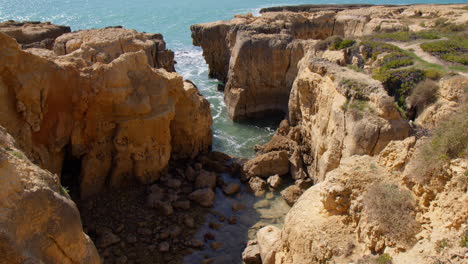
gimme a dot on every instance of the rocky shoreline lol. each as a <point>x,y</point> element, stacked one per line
<point>371,155</point>
<point>356,121</point>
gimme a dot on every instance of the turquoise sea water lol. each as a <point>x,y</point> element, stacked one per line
<point>172,18</point>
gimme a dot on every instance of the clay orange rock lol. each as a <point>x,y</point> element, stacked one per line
<point>39,223</point>
<point>120,117</point>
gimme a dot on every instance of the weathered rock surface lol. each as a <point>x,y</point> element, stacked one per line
<point>39,223</point>
<point>268,239</point>
<point>204,197</point>
<point>122,118</point>
<point>33,34</point>
<point>105,45</point>
<point>331,220</point>
<point>451,95</point>
<point>271,163</point>
<point>239,52</point>
<point>332,130</point>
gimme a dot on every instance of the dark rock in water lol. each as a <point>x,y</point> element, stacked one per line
<point>184,205</point>
<point>258,186</point>
<point>206,180</point>
<point>274,181</point>
<point>204,197</point>
<point>231,188</point>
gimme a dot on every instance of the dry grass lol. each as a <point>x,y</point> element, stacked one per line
<point>422,95</point>
<point>392,210</point>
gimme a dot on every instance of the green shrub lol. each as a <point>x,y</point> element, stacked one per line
<point>423,94</point>
<point>433,74</point>
<point>404,36</point>
<point>464,239</point>
<point>429,34</point>
<point>456,57</point>
<point>452,50</point>
<point>326,43</point>
<point>441,244</point>
<point>384,259</point>
<point>371,49</point>
<point>354,89</point>
<point>354,68</point>
<point>392,209</point>
<point>342,44</point>
<point>396,60</point>
<point>399,82</point>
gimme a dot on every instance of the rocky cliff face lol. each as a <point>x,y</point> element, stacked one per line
<point>240,52</point>
<point>346,131</point>
<point>99,99</point>
<point>332,125</point>
<point>33,34</point>
<point>39,223</point>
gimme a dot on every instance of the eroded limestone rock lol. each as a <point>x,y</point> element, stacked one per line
<point>39,223</point>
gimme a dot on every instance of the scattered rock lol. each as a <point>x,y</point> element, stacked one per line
<point>291,194</point>
<point>189,222</point>
<point>204,197</point>
<point>173,183</point>
<point>271,163</point>
<point>274,181</point>
<point>214,225</point>
<point>144,231</point>
<point>304,183</point>
<point>131,239</point>
<point>184,205</point>
<point>258,186</point>
<point>251,254</point>
<point>195,243</point>
<point>206,180</point>
<point>231,188</point>
<point>209,236</point>
<point>164,208</point>
<point>190,174</point>
<point>236,207</point>
<point>216,245</point>
<point>232,220</point>
<point>164,247</point>
<point>106,238</point>
<point>262,204</point>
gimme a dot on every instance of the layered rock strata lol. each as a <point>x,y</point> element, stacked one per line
<point>101,101</point>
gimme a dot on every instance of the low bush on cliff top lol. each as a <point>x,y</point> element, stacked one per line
<point>452,50</point>
<point>391,209</point>
<point>342,44</point>
<point>423,95</point>
<point>371,49</point>
<point>396,60</point>
<point>399,82</point>
<point>449,141</point>
<point>404,36</point>
<point>334,43</point>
